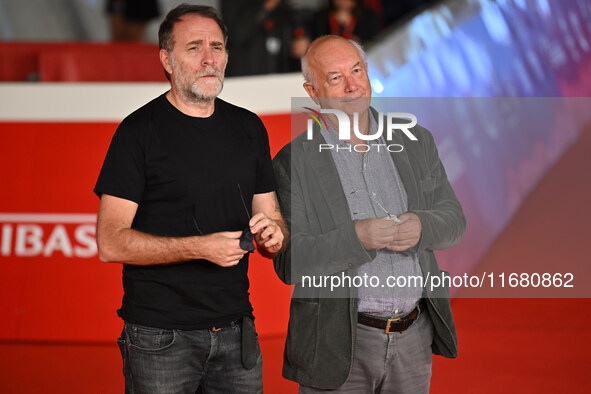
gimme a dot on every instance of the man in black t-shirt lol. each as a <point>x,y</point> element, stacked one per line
<point>186,184</point>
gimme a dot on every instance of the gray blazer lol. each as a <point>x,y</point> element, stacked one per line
<point>322,326</point>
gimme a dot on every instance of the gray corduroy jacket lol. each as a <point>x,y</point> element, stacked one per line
<point>322,326</point>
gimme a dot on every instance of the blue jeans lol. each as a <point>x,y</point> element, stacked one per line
<point>175,361</point>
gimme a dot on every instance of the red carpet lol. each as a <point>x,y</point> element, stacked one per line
<point>531,345</point>
<point>506,345</point>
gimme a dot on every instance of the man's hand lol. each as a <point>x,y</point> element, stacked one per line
<point>408,233</point>
<point>267,233</point>
<point>376,233</point>
<point>221,248</point>
<point>267,225</point>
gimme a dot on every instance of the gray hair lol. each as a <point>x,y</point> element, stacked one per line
<point>305,64</point>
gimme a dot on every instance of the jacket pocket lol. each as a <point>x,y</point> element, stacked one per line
<point>302,333</point>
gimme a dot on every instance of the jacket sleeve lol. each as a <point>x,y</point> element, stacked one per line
<point>443,223</point>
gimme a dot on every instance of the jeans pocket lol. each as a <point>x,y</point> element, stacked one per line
<point>149,339</point>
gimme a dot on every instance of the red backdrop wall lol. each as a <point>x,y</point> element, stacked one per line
<point>53,286</point>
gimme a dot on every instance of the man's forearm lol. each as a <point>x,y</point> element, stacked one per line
<point>131,246</point>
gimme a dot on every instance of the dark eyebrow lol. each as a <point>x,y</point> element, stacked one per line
<point>195,42</point>
<point>356,65</point>
<point>200,42</point>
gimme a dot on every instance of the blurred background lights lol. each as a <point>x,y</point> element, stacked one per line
<point>377,86</point>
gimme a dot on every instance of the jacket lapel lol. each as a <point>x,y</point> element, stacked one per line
<point>325,171</point>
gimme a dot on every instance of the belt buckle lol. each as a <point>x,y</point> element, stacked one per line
<point>390,321</point>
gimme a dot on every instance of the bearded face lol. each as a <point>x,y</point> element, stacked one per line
<point>198,86</point>
<point>197,59</point>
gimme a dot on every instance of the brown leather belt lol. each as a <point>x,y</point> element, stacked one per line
<point>390,326</point>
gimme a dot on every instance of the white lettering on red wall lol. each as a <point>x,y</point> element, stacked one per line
<point>45,234</point>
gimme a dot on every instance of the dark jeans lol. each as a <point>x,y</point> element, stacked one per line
<point>176,361</point>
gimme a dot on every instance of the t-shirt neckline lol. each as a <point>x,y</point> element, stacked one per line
<point>193,120</point>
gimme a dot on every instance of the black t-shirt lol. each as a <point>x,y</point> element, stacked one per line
<point>184,172</point>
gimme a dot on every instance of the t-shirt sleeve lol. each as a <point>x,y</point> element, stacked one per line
<point>123,173</point>
<point>265,175</point>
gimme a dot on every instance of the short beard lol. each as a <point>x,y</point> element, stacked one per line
<point>191,92</point>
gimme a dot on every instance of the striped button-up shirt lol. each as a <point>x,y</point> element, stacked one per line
<point>373,189</point>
